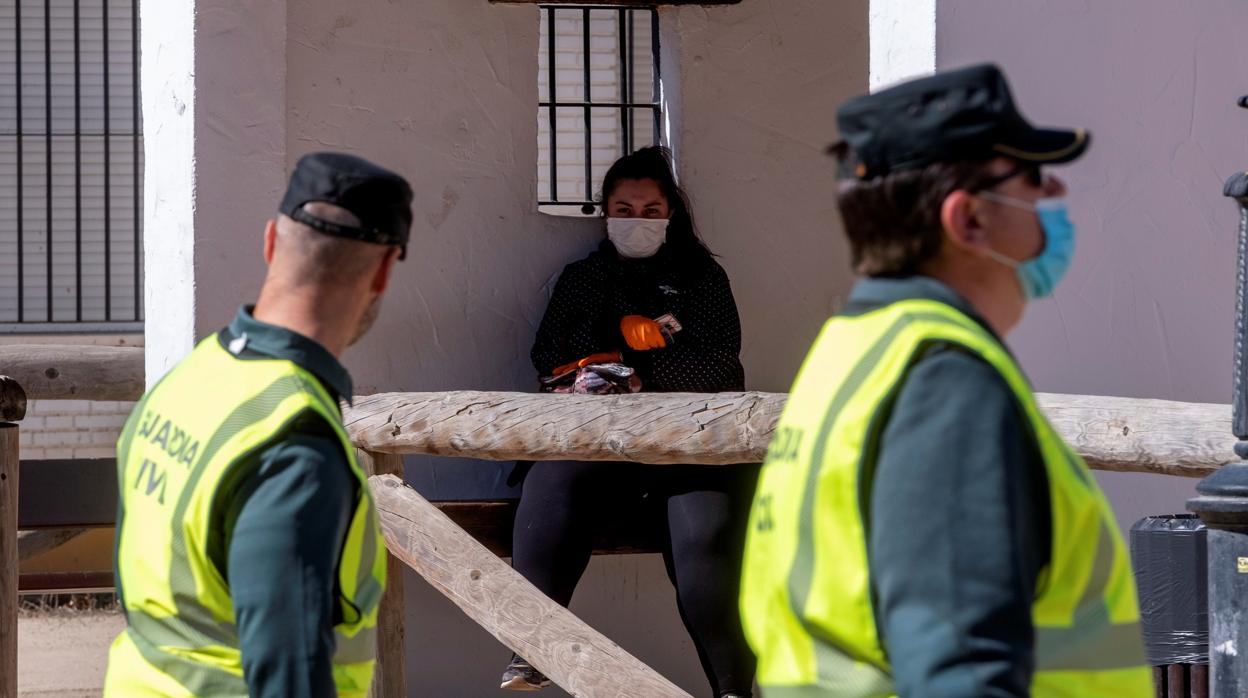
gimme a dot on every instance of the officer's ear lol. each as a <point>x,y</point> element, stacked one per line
<point>381,278</point>
<point>270,240</point>
<point>961,217</point>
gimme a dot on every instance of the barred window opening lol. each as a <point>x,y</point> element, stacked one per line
<point>599,98</point>
<point>71,150</point>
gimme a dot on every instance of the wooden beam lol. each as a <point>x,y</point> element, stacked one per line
<point>8,559</point>
<point>12,400</point>
<point>1144,436</point>
<point>575,656</point>
<point>1126,434</point>
<point>99,581</point>
<point>61,498</point>
<point>32,544</point>
<point>717,428</point>
<point>61,372</point>
<point>390,675</point>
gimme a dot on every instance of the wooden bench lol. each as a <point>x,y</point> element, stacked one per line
<point>56,495</point>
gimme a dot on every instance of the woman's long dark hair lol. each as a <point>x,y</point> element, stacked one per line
<point>655,162</point>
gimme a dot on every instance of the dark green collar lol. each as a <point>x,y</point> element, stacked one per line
<point>878,291</point>
<point>247,335</point>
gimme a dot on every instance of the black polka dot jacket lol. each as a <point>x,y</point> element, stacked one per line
<point>592,295</point>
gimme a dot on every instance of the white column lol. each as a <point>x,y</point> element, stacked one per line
<point>168,88</point>
<point>214,114</point>
<point>903,40</point>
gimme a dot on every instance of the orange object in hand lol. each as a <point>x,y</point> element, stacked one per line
<point>602,357</point>
<point>642,333</point>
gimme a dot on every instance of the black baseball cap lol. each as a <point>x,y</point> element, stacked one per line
<point>953,116</point>
<point>381,199</point>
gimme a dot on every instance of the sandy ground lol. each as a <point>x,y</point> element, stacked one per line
<point>64,654</point>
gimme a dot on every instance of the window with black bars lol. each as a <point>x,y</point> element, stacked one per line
<point>599,97</point>
<point>71,160</point>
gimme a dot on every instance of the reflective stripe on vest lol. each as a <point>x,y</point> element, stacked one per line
<point>806,595</point>
<point>179,446</point>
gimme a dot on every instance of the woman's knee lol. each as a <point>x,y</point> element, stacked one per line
<point>706,523</point>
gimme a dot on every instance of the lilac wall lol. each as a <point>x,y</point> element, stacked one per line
<point>1147,309</point>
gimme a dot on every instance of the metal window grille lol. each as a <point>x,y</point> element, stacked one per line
<point>70,165</point>
<point>599,98</point>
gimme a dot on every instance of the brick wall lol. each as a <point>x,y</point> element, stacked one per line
<point>72,429</point>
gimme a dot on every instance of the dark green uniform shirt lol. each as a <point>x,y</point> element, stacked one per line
<point>281,527</point>
<point>959,524</point>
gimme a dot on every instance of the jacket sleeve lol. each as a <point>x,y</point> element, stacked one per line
<point>706,353</point>
<point>959,530</point>
<point>570,328</point>
<point>285,531</point>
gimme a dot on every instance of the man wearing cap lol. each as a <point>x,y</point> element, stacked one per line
<point>919,527</point>
<point>249,560</point>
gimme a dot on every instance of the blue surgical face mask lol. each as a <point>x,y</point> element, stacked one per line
<point>1039,275</point>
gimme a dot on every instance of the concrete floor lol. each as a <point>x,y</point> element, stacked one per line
<point>64,654</point>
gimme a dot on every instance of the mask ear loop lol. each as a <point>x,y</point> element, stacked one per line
<point>1002,259</point>
<point>1007,200</point>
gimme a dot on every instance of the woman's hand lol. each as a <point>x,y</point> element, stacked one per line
<point>602,357</point>
<point>641,333</point>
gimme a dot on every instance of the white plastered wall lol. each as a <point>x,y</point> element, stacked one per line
<point>168,88</point>
<point>903,40</point>
<point>1146,310</point>
<point>445,92</point>
<point>760,82</point>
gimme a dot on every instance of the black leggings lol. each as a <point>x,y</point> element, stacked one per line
<point>564,504</point>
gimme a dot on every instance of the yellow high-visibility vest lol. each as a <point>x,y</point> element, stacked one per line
<point>181,442</point>
<point>806,590</point>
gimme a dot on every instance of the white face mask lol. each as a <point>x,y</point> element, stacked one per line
<point>637,237</point>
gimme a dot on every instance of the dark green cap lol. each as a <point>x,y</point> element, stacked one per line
<point>952,116</point>
<point>381,199</point>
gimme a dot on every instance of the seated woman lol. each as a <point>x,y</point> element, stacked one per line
<point>651,269</point>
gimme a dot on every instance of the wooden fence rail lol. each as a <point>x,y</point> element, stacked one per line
<point>1111,433</point>
<point>1126,434</point>
<point>1129,434</point>
<point>63,372</point>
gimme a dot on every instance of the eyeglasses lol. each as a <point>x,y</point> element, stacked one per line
<point>1033,173</point>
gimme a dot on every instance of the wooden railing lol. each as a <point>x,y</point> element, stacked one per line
<point>1111,433</point>
<point>1121,434</point>
<point>60,372</point>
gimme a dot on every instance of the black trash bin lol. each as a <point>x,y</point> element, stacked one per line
<point>1171,572</point>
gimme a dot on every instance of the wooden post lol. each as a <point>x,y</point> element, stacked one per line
<point>390,677</point>
<point>12,400</point>
<point>8,560</point>
<point>12,408</point>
